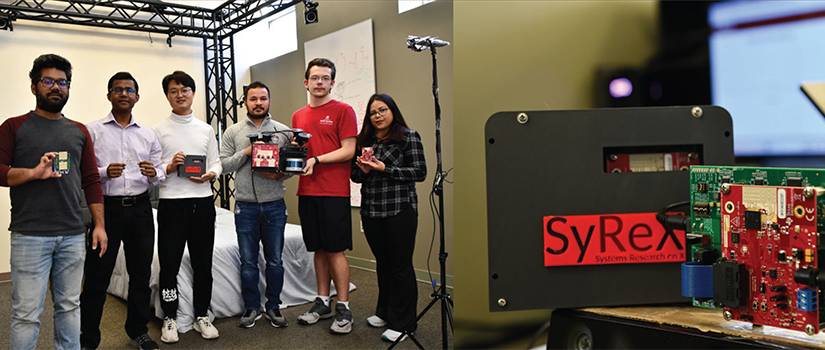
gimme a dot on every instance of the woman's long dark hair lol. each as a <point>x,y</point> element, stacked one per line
<point>397,127</point>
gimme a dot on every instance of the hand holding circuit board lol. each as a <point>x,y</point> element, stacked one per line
<point>45,169</point>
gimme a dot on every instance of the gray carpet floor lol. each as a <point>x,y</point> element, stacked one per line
<point>262,335</point>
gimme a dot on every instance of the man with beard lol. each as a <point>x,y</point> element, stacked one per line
<point>128,161</point>
<point>260,211</point>
<point>48,244</point>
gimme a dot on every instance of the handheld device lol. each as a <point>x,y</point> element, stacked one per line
<point>193,165</point>
<point>273,158</point>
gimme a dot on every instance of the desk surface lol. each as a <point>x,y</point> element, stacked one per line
<point>707,320</point>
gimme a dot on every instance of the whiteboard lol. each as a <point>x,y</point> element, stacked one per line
<point>351,49</point>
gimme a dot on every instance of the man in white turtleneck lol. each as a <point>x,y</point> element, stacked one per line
<point>186,212</point>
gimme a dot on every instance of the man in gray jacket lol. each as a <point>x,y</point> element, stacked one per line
<point>260,211</point>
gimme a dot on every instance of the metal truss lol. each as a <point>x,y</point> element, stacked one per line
<point>150,15</point>
<point>221,101</point>
<point>145,16</point>
<point>216,27</point>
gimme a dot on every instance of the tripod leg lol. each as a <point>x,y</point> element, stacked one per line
<point>450,313</point>
<point>402,337</point>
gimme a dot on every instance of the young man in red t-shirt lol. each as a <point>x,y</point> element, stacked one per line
<point>323,192</point>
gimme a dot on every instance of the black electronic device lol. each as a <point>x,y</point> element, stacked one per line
<point>294,158</point>
<point>193,165</point>
<point>568,226</point>
<point>268,157</point>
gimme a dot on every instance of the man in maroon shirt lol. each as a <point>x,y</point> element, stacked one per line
<point>48,245</point>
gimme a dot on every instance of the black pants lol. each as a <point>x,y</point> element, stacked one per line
<point>392,241</point>
<point>129,221</point>
<point>181,223</point>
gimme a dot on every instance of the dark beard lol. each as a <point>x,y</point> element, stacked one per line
<point>51,107</point>
<point>260,116</point>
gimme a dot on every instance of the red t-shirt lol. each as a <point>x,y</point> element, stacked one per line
<point>329,124</point>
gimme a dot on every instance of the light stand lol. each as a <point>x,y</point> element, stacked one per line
<point>418,44</point>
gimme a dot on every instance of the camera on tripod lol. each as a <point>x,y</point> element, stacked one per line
<point>269,157</point>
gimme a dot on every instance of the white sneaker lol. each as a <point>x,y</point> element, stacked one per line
<point>169,331</point>
<point>205,328</point>
<point>391,335</point>
<point>376,321</point>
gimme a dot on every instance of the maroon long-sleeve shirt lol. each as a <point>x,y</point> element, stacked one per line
<point>48,207</point>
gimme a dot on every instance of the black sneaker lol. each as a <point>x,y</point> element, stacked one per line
<point>144,342</point>
<point>343,320</point>
<point>276,319</point>
<point>317,312</point>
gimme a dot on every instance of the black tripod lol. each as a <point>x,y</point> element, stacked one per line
<point>419,44</point>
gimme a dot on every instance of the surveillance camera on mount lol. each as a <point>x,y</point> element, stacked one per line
<point>5,23</point>
<point>310,12</point>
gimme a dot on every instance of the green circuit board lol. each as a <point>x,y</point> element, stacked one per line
<point>705,195</point>
<point>764,222</point>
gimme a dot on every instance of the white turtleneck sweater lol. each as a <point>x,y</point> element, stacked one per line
<point>193,137</point>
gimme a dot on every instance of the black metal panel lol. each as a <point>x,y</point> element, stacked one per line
<point>554,165</point>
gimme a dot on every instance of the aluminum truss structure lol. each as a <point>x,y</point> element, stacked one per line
<point>215,26</point>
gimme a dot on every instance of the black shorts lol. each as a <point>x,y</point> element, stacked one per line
<point>326,223</point>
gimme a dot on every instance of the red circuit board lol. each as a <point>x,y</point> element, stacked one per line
<point>773,232</point>
<point>651,162</point>
<point>265,156</point>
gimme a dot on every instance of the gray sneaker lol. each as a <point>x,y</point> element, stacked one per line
<point>317,312</point>
<point>275,318</point>
<point>249,317</point>
<point>343,320</point>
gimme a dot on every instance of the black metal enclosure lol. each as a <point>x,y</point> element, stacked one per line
<point>552,163</point>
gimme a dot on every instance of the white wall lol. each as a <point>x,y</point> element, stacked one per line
<point>95,54</point>
<point>265,40</point>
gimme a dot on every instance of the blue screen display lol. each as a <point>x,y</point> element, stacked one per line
<point>760,54</point>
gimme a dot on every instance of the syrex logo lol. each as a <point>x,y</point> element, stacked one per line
<point>610,239</point>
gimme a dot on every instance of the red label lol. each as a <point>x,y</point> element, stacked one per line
<point>610,239</point>
<point>193,169</point>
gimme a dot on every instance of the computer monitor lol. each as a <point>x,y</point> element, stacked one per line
<point>760,51</point>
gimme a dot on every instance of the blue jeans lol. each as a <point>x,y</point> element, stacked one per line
<point>261,222</point>
<point>34,262</point>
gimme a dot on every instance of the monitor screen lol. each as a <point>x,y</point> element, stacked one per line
<point>760,54</point>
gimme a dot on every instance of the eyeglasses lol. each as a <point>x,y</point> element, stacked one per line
<point>325,78</point>
<point>119,90</point>
<point>49,82</point>
<point>380,112</point>
<point>184,91</point>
